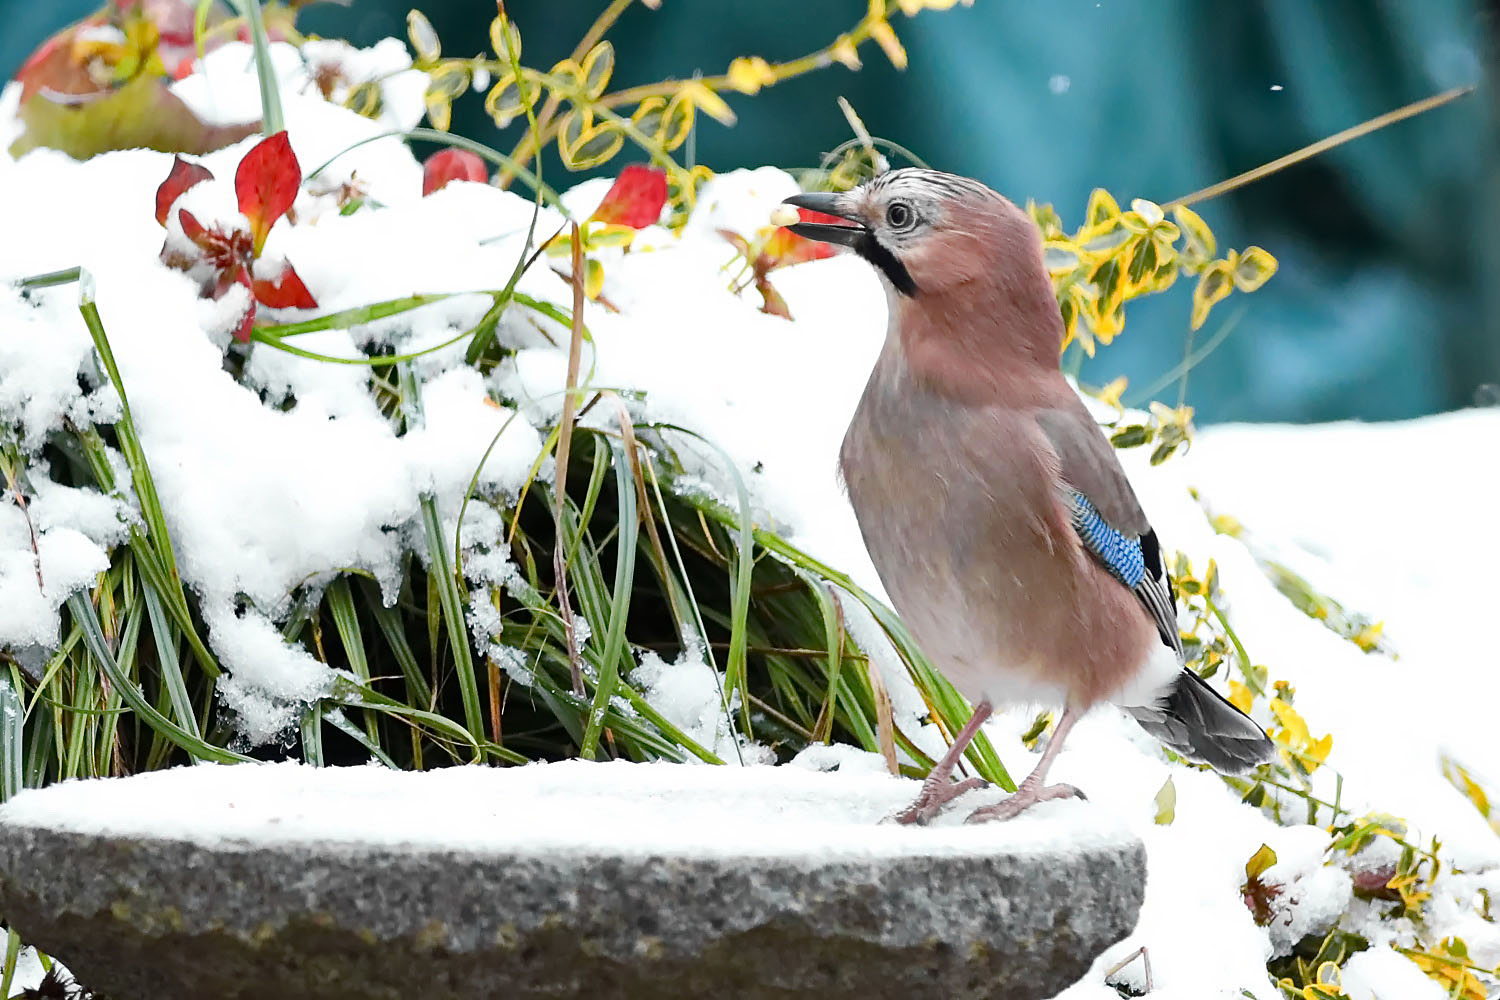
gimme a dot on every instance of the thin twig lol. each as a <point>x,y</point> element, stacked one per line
<point>560,474</point>
<point>1321,146</point>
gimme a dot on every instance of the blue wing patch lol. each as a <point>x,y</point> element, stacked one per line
<point>1119,553</point>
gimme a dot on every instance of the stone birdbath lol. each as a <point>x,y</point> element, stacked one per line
<point>554,880</point>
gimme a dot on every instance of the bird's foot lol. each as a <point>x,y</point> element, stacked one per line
<point>933,796</point>
<point>1025,797</point>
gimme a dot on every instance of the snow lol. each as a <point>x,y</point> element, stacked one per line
<point>690,694</point>
<point>567,807</point>
<point>1381,974</point>
<point>29,971</point>
<point>278,481</point>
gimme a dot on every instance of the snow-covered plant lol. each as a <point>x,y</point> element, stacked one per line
<point>225,256</point>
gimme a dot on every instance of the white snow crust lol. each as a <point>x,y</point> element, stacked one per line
<point>567,807</point>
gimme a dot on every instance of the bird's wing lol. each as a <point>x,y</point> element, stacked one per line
<point>1108,517</point>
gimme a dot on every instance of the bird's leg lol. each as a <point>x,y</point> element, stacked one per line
<point>1031,790</point>
<point>939,789</point>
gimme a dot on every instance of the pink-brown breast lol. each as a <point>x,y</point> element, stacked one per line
<point>961,508</point>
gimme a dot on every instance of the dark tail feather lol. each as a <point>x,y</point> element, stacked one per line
<point>1195,720</point>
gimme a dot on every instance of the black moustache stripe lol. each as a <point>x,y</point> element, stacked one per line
<point>868,247</point>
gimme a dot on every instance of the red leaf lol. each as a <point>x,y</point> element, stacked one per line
<point>266,184</point>
<point>191,227</point>
<point>182,176</point>
<point>286,292</point>
<point>636,198</point>
<point>452,165</point>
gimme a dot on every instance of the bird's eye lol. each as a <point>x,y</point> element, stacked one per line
<point>898,215</point>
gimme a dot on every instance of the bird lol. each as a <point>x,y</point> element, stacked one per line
<point>994,509</point>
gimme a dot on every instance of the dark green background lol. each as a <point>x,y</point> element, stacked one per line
<point>1385,305</point>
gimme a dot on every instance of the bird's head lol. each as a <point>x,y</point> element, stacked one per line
<point>962,266</point>
<point>925,231</point>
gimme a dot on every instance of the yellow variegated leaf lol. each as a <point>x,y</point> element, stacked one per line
<point>503,102</point>
<point>1213,285</point>
<point>612,235</point>
<point>1316,752</point>
<point>1061,256</point>
<point>676,122</point>
<point>593,146</point>
<point>1109,280</point>
<point>1110,394</point>
<point>598,66</point>
<point>1253,269</point>
<point>571,129</point>
<point>1165,277</point>
<point>648,116</point>
<point>439,111</point>
<point>569,74</point>
<point>1104,321</point>
<point>708,102</point>
<point>885,37</point>
<point>365,99</point>
<point>1166,804</point>
<point>1200,244</point>
<point>1069,307</point>
<point>1294,727</point>
<point>593,277</point>
<point>1102,209</point>
<point>1140,265</point>
<point>748,74</point>
<point>505,39</point>
<point>1047,220</point>
<point>448,80</point>
<point>424,40</point>
<point>1133,436</point>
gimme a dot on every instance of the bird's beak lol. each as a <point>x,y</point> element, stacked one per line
<point>828,203</point>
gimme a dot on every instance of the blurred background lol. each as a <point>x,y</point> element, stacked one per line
<point>1386,304</point>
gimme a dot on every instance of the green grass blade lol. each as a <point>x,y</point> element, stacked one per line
<point>359,314</point>
<point>12,745</point>
<point>614,641</point>
<point>336,718</point>
<point>12,957</point>
<point>452,602</point>
<point>443,579</point>
<point>270,94</point>
<point>346,620</point>
<point>389,622</point>
<point>311,728</point>
<point>164,637</point>
<point>93,637</point>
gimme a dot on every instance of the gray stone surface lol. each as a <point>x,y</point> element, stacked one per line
<point>138,917</point>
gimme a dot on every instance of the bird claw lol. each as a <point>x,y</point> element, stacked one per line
<point>932,798</point>
<point>1024,798</point>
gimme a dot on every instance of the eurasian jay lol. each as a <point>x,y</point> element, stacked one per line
<point>993,507</point>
